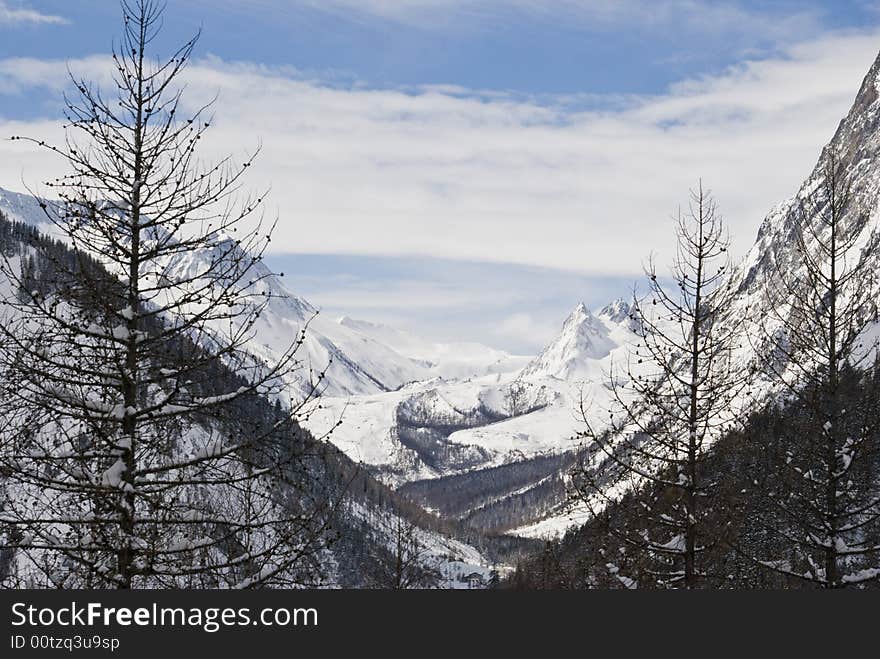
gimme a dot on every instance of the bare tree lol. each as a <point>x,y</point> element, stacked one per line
<point>400,559</point>
<point>825,497</point>
<point>144,446</point>
<point>670,402</point>
<point>516,399</point>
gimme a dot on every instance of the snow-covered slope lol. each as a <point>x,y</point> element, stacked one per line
<point>441,427</point>
<point>358,363</point>
<point>25,208</point>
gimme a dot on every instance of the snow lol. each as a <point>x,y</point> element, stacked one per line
<point>676,544</point>
<point>457,360</point>
<point>555,524</point>
<point>113,476</point>
<point>583,343</point>
<point>452,558</point>
<point>366,424</point>
<point>374,372</point>
<point>543,431</point>
<point>862,575</point>
<point>210,449</point>
<point>574,365</point>
<point>628,583</point>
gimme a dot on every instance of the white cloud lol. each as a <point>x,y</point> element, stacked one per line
<point>750,25</point>
<point>403,295</point>
<point>525,329</point>
<point>498,177</point>
<point>24,15</point>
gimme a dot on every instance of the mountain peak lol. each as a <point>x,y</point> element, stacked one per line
<point>855,138</point>
<point>578,316</point>
<point>618,311</point>
<point>583,340</point>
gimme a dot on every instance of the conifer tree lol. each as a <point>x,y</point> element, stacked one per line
<point>143,444</point>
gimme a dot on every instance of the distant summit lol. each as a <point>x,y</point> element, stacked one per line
<point>584,338</point>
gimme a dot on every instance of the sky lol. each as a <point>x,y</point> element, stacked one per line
<point>472,169</point>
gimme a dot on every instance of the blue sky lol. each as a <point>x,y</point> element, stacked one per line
<point>536,46</point>
<point>471,169</point>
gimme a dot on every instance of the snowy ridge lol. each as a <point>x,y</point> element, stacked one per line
<point>441,427</point>
<point>355,363</point>
<point>856,147</point>
<point>359,357</point>
<point>352,363</point>
<point>22,208</point>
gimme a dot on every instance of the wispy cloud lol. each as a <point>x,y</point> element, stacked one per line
<point>501,177</point>
<point>694,16</point>
<point>24,15</point>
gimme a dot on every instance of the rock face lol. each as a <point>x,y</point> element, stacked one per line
<point>856,148</point>
<point>620,313</point>
<point>617,312</point>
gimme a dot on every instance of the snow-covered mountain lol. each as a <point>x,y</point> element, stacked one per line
<point>584,345</point>
<point>359,357</point>
<point>441,427</point>
<point>760,301</point>
<point>367,517</point>
<point>856,148</point>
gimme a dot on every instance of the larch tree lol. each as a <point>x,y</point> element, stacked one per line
<point>824,512</point>
<point>670,401</point>
<point>143,445</point>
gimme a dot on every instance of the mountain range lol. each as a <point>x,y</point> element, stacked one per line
<point>482,436</point>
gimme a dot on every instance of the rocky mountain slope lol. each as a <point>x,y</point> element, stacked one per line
<point>760,300</point>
